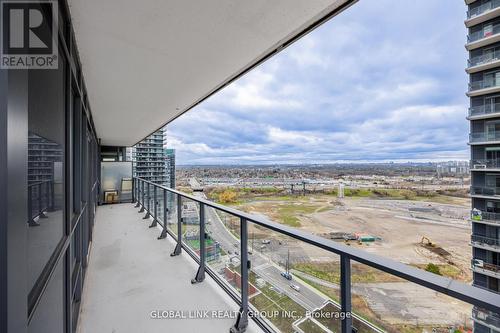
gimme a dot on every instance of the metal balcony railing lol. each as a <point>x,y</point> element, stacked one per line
<point>147,196</point>
<point>481,190</point>
<point>475,36</point>
<point>40,200</point>
<point>485,216</point>
<point>483,84</point>
<point>487,317</point>
<point>487,6</point>
<point>484,59</point>
<point>480,164</point>
<point>484,137</point>
<point>485,240</point>
<point>484,109</point>
<point>479,264</point>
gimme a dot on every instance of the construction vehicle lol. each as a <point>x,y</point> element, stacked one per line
<point>429,242</point>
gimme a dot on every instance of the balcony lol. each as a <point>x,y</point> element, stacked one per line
<point>483,62</point>
<point>482,13</point>
<point>484,191</point>
<point>486,318</point>
<point>483,87</point>
<point>484,138</point>
<point>484,242</point>
<point>481,267</point>
<point>482,38</point>
<point>486,218</point>
<point>484,164</point>
<point>130,275</point>
<point>171,265</point>
<point>484,111</point>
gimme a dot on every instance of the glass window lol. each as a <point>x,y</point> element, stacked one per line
<point>49,314</point>
<point>46,183</point>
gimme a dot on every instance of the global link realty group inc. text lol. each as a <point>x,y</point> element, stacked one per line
<point>224,314</point>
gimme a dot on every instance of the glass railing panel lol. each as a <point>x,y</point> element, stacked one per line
<point>485,240</point>
<point>172,213</point>
<point>223,247</point>
<point>295,285</point>
<point>483,137</point>
<point>477,85</point>
<point>484,59</point>
<point>480,190</point>
<point>486,318</point>
<point>475,36</point>
<point>487,6</point>
<point>485,163</point>
<point>191,225</point>
<point>392,304</point>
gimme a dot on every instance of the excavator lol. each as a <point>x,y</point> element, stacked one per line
<point>429,242</point>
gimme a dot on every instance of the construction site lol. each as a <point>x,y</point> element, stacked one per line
<point>424,230</point>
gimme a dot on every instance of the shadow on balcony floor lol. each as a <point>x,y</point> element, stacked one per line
<point>131,274</point>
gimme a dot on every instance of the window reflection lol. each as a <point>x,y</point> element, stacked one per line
<point>46,144</point>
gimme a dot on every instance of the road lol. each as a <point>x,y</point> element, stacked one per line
<point>261,265</point>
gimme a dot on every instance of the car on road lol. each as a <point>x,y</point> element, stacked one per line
<point>266,241</point>
<point>286,275</point>
<point>295,287</point>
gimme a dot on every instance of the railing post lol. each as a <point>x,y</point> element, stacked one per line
<point>178,247</point>
<point>164,232</point>
<point>200,275</point>
<point>242,320</point>
<point>133,190</point>
<point>31,221</point>
<point>137,198</point>
<point>148,200</point>
<point>155,209</point>
<point>345,293</point>
<point>40,202</point>
<point>50,196</point>
<point>142,197</point>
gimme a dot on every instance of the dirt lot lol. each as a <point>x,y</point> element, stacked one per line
<point>398,225</point>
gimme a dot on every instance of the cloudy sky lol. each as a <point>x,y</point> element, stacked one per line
<point>383,81</point>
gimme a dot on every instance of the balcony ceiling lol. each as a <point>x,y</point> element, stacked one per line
<point>146,62</point>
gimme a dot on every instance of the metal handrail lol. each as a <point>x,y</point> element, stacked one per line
<point>483,84</point>
<point>484,190</point>
<point>486,316</point>
<point>485,240</point>
<point>484,136</point>
<point>475,36</point>
<point>485,163</point>
<point>469,294</point>
<point>485,266</point>
<point>483,8</point>
<point>484,109</point>
<point>489,216</point>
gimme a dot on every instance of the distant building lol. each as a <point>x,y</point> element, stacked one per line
<point>453,168</point>
<point>148,158</point>
<point>170,167</point>
<point>483,44</point>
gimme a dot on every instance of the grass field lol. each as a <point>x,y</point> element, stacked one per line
<point>330,272</point>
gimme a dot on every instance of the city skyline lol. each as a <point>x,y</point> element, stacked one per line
<point>407,83</point>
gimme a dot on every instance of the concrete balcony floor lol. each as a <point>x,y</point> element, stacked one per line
<point>131,273</point>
